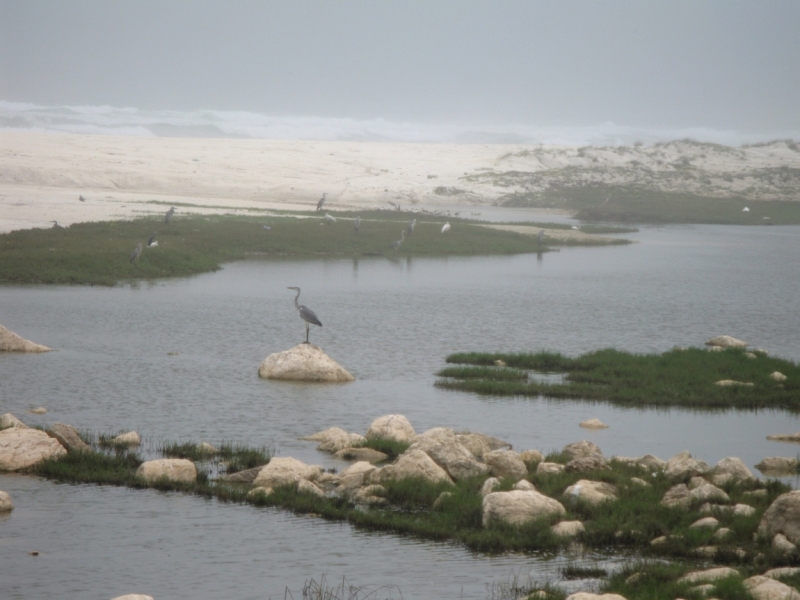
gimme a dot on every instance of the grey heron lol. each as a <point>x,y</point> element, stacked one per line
<point>322,200</point>
<point>169,214</point>
<point>136,252</point>
<point>56,225</point>
<point>446,227</point>
<point>305,313</point>
<point>540,237</point>
<point>411,226</point>
<point>396,245</point>
<point>81,198</point>
<point>152,241</point>
<point>357,224</point>
<point>329,218</point>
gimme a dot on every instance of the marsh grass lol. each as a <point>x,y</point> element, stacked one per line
<point>674,378</point>
<point>99,253</point>
<point>235,457</point>
<point>573,571</point>
<point>659,581</point>
<point>489,373</point>
<point>392,448</point>
<point>322,590</point>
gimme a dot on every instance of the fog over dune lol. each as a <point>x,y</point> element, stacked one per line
<point>513,72</point>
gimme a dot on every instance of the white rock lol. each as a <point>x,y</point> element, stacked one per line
<point>777,376</point>
<point>783,545</point>
<point>548,467</point>
<point>580,449</point>
<point>677,496</point>
<point>525,485</point>
<point>130,438</point>
<point>361,466</point>
<point>783,516</point>
<point>444,448</point>
<point>361,454</point>
<point>489,486</point>
<point>531,457</point>
<point>568,528</point>
<point>475,443</point>
<point>705,523</point>
<point>765,588</point>
<point>324,436</point>
<point>68,437</point>
<point>391,427</point>
<point>335,444</point>
<point>414,463</point>
<point>304,362</point>
<point>721,533</point>
<point>259,491</point>
<point>651,462</point>
<point>373,495</point>
<point>505,463</point>
<point>593,424</point>
<point>778,465</point>
<point>207,448</point>
<point>23,448</point>
<point>782,572</point>
<point>11,342</point>
<point>732,467</point>
<point>285,471</point>
<point>174,469</point>
<point>708,575</point>
<point>708,493</point>
<point>743,510</point>
<point>696,482</point>
<point>593,492</point>
<point>517,507</point>
<point>5,502</point>
<point>303,485</point>
<point>726,341</point>
<point>732,382</point>
<point>640,482</point>
<point>39,410</point>
<point>9,420</point>
<point>682,467</point>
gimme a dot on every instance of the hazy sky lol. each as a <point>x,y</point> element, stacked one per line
<point>725,64</point>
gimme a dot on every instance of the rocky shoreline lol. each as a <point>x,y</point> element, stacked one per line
<point>719,514</point>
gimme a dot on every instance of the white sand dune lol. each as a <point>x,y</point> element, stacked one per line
<point>43,174</point>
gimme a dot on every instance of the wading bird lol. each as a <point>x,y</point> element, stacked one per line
<point>169,214</point>
<point>357,224</point>
<point>56,225</point>
<point>540,237</point>
<point>136,252</point>
<point>322,200</point>
<point>396,245</point>
<point>329,218</point>
<point>81,198</point>
<point>446,227</point>
<point>305,313</point>
<point>411,226</point>
<point>152,241</point>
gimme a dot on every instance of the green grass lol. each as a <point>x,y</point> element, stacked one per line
<point>391,448</point>
<point>235,457</point>
<point>99,253</point>
<point>674,378</point>
<point>638,204</point>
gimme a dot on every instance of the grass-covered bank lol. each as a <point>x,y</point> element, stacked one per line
<point>678,377</point>
<point>100,253</point>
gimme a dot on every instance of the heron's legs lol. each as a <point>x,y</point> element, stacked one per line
<point>307,328</point>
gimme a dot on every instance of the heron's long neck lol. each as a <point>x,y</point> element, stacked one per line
<point>296,303</point>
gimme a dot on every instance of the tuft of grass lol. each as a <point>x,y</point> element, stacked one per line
<point>674,378</point>
<point>392,448</point>
<point>99,253</point>
<point>490,373</point>
<point>572,571</point>
<point>236,457</point>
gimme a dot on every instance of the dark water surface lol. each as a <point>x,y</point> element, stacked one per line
<point>391,323</point>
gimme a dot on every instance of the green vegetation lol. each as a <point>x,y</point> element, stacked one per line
<point>234,457</point>
<point>391,448</point>
<point>639,204</point>
<point>99,253</point>
<point>675,378</point>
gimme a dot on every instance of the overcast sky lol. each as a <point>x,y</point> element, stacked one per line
<point>724,65</point>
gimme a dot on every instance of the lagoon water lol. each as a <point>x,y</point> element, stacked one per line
<point>391,323</point>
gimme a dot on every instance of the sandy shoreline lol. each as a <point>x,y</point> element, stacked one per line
<point>42,175</point>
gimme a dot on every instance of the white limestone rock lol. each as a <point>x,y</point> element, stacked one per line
<point>593,424</point>
<point>505,463</point>
<point>730,468</point>
<point>677,497</point>
<point>285,471</point>
<point>705,523</point>
<point>580,449</point>
<point>361,454</point>
<point>783,545</point>
<point>778,465</point>
<point>414,463</point>
<point>391,427</point>
<point>593,492</point>
<point>726,341</point>
<point>524,484</point>
<point>304,362</point>
<point>518,507</point>
<point>783,516</point>
<point>708,493</point>
<point>777,376</point>
<point>489,486</point>
<point>682,467</point>
<point>9,420</point>
<point>709,575</point>
<point>444,448</point>
<point>23,448</point>
<point>130,438</point>
<point>5,502</point>
<point>174,469</point>
<point>544,468</point>
<point>568,528</point>
<point>765,588</point>
<point>11,342</point>
<point>68,437</point>
<point>531,457</point>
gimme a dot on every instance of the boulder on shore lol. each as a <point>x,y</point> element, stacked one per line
<point>783,516</point>
<point>5,502</point>
<point>23,448</point>
<point>9,420</point>
<point>593,424</point>
<point>285,471</point>
<point>174,469</point>
<point>446,451</point>
<point>414,463</point>
<point>304,362</point>
<point>517,507</point>
<point>764,588</point>
<point>391,427</point>
<point>726,341</point>
<point>11,342</point>
<point>68,437</point>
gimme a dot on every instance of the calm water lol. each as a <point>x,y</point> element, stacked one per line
<point>391,323</point>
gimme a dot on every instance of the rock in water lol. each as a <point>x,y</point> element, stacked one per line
<point>726,341</point>
<point>304,362</point>
<point>23,448</point>
<point>11,342</point>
